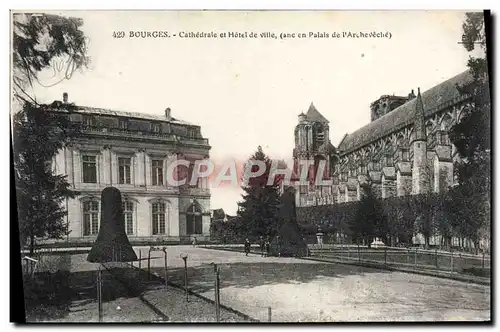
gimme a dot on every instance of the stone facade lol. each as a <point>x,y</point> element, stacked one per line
<point>404,150</point>
<point>133,152</point>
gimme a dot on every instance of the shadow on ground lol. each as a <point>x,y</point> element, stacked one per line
<point>248,275</point>
<point>51,296</point>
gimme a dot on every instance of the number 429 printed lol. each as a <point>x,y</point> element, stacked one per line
<point>118,34</point>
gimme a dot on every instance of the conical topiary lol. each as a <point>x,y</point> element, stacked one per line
<point>112,244</point>
<point>289,241</point>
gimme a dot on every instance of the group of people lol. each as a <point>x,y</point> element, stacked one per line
<point>264,244</point>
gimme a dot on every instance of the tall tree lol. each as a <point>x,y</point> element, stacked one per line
<point>42,42</point>
<point>370,220</point>
<point>258,211</point>
<point>472,135</point>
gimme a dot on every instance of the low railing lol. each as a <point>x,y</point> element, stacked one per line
<point>112,131</point>
<point>409,257</point>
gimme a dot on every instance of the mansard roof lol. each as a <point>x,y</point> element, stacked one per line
<point>314,115</point>
<point>136,115</point>
<point>434,99</point>
<point>59,106</point>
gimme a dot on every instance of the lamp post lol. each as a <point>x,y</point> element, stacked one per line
<point>184,256</point>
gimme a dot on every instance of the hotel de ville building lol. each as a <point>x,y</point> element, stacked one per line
<point>132,151</point>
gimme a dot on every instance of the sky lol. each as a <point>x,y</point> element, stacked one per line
<point>248,92</point>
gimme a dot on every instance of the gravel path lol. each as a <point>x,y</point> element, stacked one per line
<point>296,290</point>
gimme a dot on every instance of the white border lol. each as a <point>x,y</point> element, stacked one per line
<point>187,4</point>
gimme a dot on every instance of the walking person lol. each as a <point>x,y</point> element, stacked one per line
<point>278,243</point>
<point>268,247</point>
<point>194,241</point>
<point>262,245</point>
<point>247,247</point>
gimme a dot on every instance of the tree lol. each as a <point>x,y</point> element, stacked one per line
<point>41,42</point>
<point>471,136</point>
<point>370,219</point>
<point>258,212</point>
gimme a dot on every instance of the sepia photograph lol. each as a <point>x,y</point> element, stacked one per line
<point>250,166</point>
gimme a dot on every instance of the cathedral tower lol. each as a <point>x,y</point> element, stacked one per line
<point>420,176</point>
<point>312,145</point>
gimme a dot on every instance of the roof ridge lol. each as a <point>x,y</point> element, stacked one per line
<point>403,115</point>
<point>132,114</point>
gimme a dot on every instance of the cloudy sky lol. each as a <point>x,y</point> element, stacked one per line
<point>248,92</point>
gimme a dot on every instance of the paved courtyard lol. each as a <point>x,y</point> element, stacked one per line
<point>299,290</point>
<point>303,290</point>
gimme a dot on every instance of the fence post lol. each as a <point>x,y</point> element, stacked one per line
<point>415,263</point>
<point>140,254</point>
<point>269,314</point>
<point>436,257</point>
<point>385,255</point>
<point>217,293</point>
<point>451,261</point>
<point>482,264</point>
<point>166,268</point>
<point>408,257</point>
<point>149,264</point>
<point>359,254</point>
<point>99,293</point>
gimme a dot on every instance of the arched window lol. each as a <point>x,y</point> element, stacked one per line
<point>158,212</point>
<point>193,220</point>
<point>90,217</point>
<point>128,214</point>
<point>320,135</point>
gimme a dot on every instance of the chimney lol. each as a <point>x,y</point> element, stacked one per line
<point>167,114</point>
<point>65,97</point>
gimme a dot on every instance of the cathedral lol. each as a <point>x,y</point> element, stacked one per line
<point>404,150</point>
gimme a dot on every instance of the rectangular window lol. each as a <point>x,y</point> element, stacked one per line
<point>89,168</point>
<point>389,161</point>
<point>90,218</point>
<point>405,155</point>
<point>128,214</point>
<point>158,215</point>
<point>157,172</point>
<point>443,138</point>
<point>124,165</point>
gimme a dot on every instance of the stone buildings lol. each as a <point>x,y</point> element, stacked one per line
<point>404,150</point>
<point>132,152</point>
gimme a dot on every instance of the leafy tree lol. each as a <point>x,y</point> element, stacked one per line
<point>41,42</point>
<point>258,212</point>
<point>471,136</point>
<point>370,220</point>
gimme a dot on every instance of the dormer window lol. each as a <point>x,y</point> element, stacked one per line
<point>191,132</point>
<point>156,127</point>
<point>123,123</point>
<point>88,120</point>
